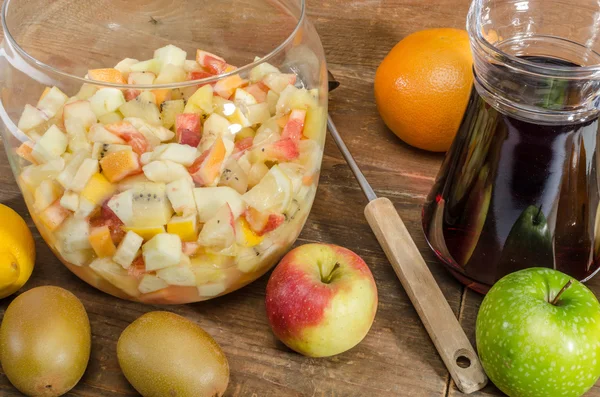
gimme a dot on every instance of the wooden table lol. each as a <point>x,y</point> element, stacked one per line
<point>397,357</point>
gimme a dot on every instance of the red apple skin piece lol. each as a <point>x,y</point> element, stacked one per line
<point>212,62</point>
<point>263,223</point>
<point>107,217</point>
<point>188,129</point>
<point>257,92</point>
<point>283,150</point>
<point>243,144</point>
<point>318,312</point>
<point>137,268</point>
<point>293,128</point>
<point>206,168</point>
<point>131,94</point>
<point>130,134</point>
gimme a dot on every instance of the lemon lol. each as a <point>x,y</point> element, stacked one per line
<point>273,192</point>
<point>17,252</point>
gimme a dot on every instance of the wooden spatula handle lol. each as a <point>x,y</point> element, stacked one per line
<point>431,305</point>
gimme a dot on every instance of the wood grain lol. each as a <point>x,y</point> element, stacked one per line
<point>397,358</point>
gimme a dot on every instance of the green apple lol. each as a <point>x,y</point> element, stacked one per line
<point>538,335</point>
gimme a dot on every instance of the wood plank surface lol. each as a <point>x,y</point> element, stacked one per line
<point>397,358</point>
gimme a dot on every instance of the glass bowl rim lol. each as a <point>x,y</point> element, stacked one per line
<point>189,83</point>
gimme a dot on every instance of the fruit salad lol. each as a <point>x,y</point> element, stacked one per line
<point>173,195</point>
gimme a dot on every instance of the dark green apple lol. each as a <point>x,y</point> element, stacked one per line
<point>538,335</point>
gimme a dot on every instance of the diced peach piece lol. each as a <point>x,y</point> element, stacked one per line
<point>282,150</point>
<point>161,96</point>
<point>130,134</point>
<point>109,75</point>
<point>257,92</point>
<point>101,241</point>
<point>53,216</point>
<point>24,151</point>
<point>293,128</point>
<point>118,165</point>
<point>226,87</point>
<point>98,189</point>
<point>188,129</point>
<point>212,62</point>
<point>207,167</point>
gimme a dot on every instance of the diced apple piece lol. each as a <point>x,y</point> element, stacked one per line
<point>151,283</point>
<point>256,174</point>
<point>181,274</point>
<point>170,54</point>
<point>51,103</point>
<point>151,207</point>
<point>171,74</point>
<point>77,258</point>
<point>85,209</point>
<point>162,251</point>
<point>223,107</point>
<point>219,231</point>
<point>165,171</point>
<point>125,65</point>
<point>272,99</point>
<point>86,91</point>
<point>31,118</point>
<point>151,65</point>
<point>144,107</point>
<point>33,175</point>
<point>74,235</point>
<point>215,126</point>
<point>227,86</point>
<point>207,168</point>
<point>107,100</point>
<point>283,103</point>
<point>100,150</point>
<point>50,146</point>
<point>70,201</point>
<point>201,101</point>
<point>169,111</point>
<point>24,151</point>
<point>98,189</point>
<point>109,75</point>
<point>212,62</point>
<point>184,93</point>
<point>262,223</point>
<point>260,71</point>
<point>116,166</point>
<point>154,134</point>
<point>192,66</point>
<point>315,124</point>
<point>122,205</point>
<point>146,233</point>
<point>141,78</point>
<point>77,135</point>
<point>188,129</point>
<point>126,131</point>
<point>211,289</point>
<point>243,97</point>
<point>131,93</point>
<point>185,226</point>
<point>68,173</point>
<point>101,242</point>
<point>310,156</point>
<point>293,128</point>
<point>282,150</point>
<point>101,135</point>
<point>116,275</point>
<point>210,199</point>
<point>258,114</point>
<point>86,170</point>
<point>46,193</point>
<point>257,92</point>
<point>177,153</point>
<point>238,120</point>
<point>181,196</point>
<point>53,216</point>
<point>128,249</point>
<point>109,118</point>
<point>234,176</point>
<point>81,111</point>
<point>279,81</point>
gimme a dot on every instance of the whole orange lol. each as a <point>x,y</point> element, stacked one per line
<point>423,85</point>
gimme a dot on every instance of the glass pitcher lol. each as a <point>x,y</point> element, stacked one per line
<point>520,185</point>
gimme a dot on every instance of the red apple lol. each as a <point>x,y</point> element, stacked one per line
<point>321,300</point>
<point>188,129</point>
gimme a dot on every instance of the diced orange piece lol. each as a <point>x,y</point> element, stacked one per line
<point>226,87</point>
<point>108,75</point>
<point>146,232</point>
<point>161,95</point>
<point>46,91</point>
<point>130,134</point>
<point>118,165</point>
<point>101,242</point>
<point>207,167</point>
<point>53,216</point>
<point>25,150</point>
<point>212,62</point>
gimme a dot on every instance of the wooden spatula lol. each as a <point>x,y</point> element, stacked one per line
<point>446,333</point>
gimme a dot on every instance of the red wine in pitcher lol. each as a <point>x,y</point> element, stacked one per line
<point>514,193</point>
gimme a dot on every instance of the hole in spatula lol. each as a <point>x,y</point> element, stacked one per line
<point>463,361</point>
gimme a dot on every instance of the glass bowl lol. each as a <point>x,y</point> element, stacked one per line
<point>168,151</point>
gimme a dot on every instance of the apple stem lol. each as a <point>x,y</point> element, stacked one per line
<point>567,285</point>
<point>327,278</point>
<point>536,219</point>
